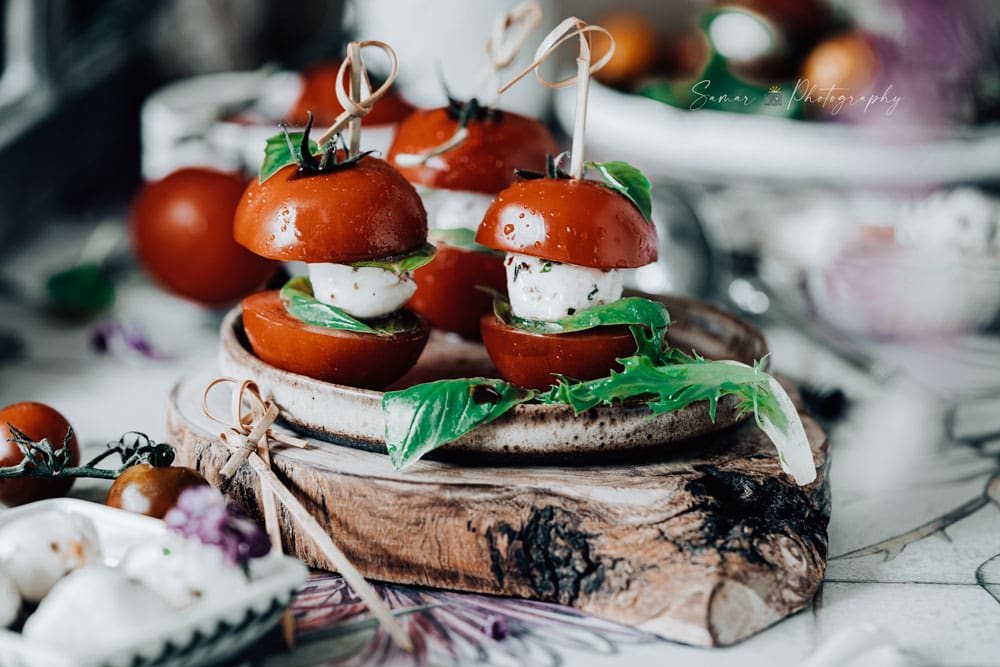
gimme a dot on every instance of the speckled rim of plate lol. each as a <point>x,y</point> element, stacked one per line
<point>350,416</point>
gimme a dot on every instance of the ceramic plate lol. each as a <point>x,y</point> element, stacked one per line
<point>722,146</point>
<point>207,633</point>
<point>351,416</point>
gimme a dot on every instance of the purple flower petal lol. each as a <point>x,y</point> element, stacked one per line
<point>496,628</point>
<point>203,513</point>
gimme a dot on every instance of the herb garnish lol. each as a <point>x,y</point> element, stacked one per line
<point>281,151</point>
<point>297,298</point>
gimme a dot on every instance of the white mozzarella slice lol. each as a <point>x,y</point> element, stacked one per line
<point>548,291</point>
<point>183,571</point>
<point>39,549</point>
<point>96,611</point>
<point>454,209</point>
<point>366,292</point>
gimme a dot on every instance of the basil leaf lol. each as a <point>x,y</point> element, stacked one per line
<point>632,310</point>
<point>459,238</point>
<point>84,290</point>
<point>297,297</point>
<point>426,416</point>
<point>401,263</point>
<point>673,386</point>
<point>278,154</point>
<point>628,181</point>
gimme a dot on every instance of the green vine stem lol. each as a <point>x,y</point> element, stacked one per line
<point>42,460</point>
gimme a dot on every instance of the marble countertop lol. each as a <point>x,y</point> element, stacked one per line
<point>914,571</point>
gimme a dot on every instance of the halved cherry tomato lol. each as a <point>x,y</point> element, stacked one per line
<point>579,222</point>
<point>530,359</point>
<point>319,96</point>
<point>366,211</point>
<point>182,232</point>
<point>145,489</point>
<point>37,421</point>
<point>447,293</point>
<point>364,360</point>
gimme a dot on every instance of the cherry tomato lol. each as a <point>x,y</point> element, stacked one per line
<point>145,489</point>
<point>364,360</point>
<point>530,359</point>
<point>447,293</point>
<point>848,62</point>
<point>319,96</point>
<point>483,162</point>
<point>636,46</point>
<point>182,232</point>
<point>362,212</point>
<point>37,421</point>
<point>574,221</point>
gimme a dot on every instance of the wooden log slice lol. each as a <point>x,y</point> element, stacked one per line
<point>705,545</point>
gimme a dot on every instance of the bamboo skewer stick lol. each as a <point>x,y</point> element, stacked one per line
<point>585,66</point>
<point>247,437</point>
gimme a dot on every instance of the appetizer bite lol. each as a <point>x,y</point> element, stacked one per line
<point>566,337</point>
<point>566,241</point>
<point>459,157</point>
<point>362,229</point>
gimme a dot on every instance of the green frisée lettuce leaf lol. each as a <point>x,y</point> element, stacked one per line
<point>279,152</point>
<point>424,417</point>
<point>421,418</point>
<point>398,264</point>
<point>297,298</point>
<point>639,313</point>
<point>628,181</point>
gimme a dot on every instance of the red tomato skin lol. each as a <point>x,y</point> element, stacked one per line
<point>362,212</point>
<point>37,421</point>
<point>182,233</point>
<point>447,293</point>
<point>484,162</point>
<point>530,360</point>
<point>157,488</point>
<point>366,361</point>
<point>576,222</point>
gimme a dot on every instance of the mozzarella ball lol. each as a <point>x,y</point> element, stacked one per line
<point>548,291</point>
<point>365,292</point>
<point>39,549</point>
<point>454,209</point>
<point>10,600</point>
<point>95,611</point>
<point>182,571</point>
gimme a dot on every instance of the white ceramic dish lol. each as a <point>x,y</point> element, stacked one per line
<point>183,124</point>
<point>208,633</point>
<point>352,416</point>
<point>720,146</point>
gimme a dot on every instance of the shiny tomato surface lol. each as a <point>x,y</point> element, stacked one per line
<point>484,161</point>
<point>319,96</point>
<point>37,421</point>
<point>530,359</point>
<point>364,360</point>
<point>145,489</point>
<point>182,233</point>
<point>361,212</point>
<point>447,293</point>
<point>573,221</point>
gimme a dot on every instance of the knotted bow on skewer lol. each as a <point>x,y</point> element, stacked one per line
<point>247,437</point>
<point>510,32</point>
<point>356,108</point>
<point>585,66</point>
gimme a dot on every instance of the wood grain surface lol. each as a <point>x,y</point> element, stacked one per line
<point>706,545</point>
